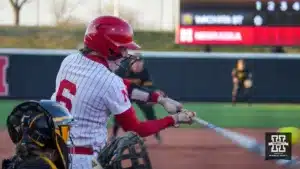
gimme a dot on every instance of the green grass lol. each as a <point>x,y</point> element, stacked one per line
<point>221,114</point>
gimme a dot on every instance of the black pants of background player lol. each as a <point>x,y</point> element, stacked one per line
<point>241,93</point>
<point>149,114</point>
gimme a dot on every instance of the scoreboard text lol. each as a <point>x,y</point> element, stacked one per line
<point>246,22</point>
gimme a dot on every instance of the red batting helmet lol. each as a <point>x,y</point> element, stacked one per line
<point>106,35</point>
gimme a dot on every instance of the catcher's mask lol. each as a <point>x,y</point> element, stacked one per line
<point>126,152</point>
<point>41,125</point>
<point>114,64</point>
<point>127,63</point>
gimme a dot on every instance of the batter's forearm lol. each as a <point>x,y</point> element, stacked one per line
<point>129,122</point>
<point>151,127</point>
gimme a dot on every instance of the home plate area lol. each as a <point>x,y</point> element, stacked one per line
<point>184,148</point>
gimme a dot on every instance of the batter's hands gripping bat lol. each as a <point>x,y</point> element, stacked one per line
<point>247,142</point>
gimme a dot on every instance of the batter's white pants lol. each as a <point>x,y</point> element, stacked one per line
<point>80,161</point>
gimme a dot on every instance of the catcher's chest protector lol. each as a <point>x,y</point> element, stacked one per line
<point>126,152</point>
<point>34,162</point>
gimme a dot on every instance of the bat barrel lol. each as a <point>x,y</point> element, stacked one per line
<point>246,142</point>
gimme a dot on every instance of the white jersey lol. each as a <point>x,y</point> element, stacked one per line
<point>91,92</point>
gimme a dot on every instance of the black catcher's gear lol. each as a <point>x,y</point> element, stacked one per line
<point>39,126</point>
<point>30,162</point>
<point>126,152</point>
<point>50,116</point>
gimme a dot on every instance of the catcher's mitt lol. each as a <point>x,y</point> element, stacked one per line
<point>126,152</point>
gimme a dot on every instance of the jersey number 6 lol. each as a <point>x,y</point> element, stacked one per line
<point>68,86</point>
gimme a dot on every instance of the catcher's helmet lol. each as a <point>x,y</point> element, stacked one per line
<point>40,125</point>
<point>107,35</point>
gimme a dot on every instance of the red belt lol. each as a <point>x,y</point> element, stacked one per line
<point>81,150</point>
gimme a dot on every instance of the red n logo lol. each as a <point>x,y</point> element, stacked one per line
<point>4,63</point>
<point>125,95</point>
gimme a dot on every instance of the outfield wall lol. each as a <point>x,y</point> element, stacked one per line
<point>186,76</point>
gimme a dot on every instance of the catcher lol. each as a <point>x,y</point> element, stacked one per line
<point>39,129</point>
<point>136,73</point>
<point>242,81</point>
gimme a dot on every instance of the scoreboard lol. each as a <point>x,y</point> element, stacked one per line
<point>239,22</point>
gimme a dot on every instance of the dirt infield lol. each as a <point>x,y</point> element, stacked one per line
<point>192,149</point>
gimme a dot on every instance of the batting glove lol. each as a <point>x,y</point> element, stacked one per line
<point>170,105</point>
<point>183,117</point>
